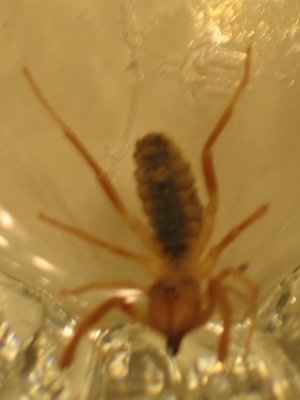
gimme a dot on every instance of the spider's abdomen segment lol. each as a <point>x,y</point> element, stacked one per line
<point>166,187</point>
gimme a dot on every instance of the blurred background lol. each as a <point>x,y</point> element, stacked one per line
<point>116,70</point>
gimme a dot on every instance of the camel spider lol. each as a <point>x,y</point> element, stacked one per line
<point>185,290</point>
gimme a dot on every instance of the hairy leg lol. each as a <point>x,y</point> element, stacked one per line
<point>206,266</point>
<point>137,226</point>
<point>223,303</point>
<point>252,287</point>
<point>253,291</point>
<point>207,160</point>
<point>91,319</point>
<point>122,285</point>
<point>222,292</point>
<point>142,259</point>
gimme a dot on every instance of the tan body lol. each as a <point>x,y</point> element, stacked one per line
<point>186,290</point>
<point>175,307</point>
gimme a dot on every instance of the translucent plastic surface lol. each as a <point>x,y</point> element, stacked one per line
<point>115,70</point>
<point>130,362</point>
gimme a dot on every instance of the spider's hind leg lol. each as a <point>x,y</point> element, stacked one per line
<point>144,260</point>
<point>222,297</point>
<point>92,318</point>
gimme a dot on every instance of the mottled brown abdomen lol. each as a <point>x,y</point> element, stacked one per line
<point>166,187</point>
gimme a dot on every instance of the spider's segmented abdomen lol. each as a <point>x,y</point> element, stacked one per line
<point>166,187</point>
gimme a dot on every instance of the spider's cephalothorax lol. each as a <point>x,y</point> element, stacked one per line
<point>166,187</point>
<point>175,306</point>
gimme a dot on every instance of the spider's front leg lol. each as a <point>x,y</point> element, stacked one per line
<point>114,285</point>
<point>221,292</point>
<point>92,318</point>
<point>137,226</point>
<point>208,164</point>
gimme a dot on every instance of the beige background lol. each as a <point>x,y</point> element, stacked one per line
<point>115,70</point>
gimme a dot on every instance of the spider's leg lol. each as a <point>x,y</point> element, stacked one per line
<point>122,285</point>
<point>92,318</point>
<point>242,296</point>
<point>252,301</point>
<point>225,308</point>
<point>208,165</point>
<point>217,297</point>
<point>142,259</point>
<point>221,292</point>
<point>247,283</point>
<point>208,264</point>
<point>137,226</point>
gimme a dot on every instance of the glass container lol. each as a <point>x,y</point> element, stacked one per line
<point>115,70</point>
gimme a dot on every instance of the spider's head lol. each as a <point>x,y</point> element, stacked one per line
<point>174,308</point>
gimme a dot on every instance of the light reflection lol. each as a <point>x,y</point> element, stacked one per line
<point>209,365</point>
<point>9,343</point>
<point>216,18</point>
<point>43,264</point>
<point>153,377</point>
<point>216,327</point>
<point>44,281</point>
<point>6,220</point>
<point>95,334</point>
<point>281,387</point>
<point>226,9</point>
<point>239,366</point>
<point>119,366</point>
<point>131,295</point>
<point>68,330</point>
<point>3,242</point>
<point>193,380</point>
<point>211,33</point>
